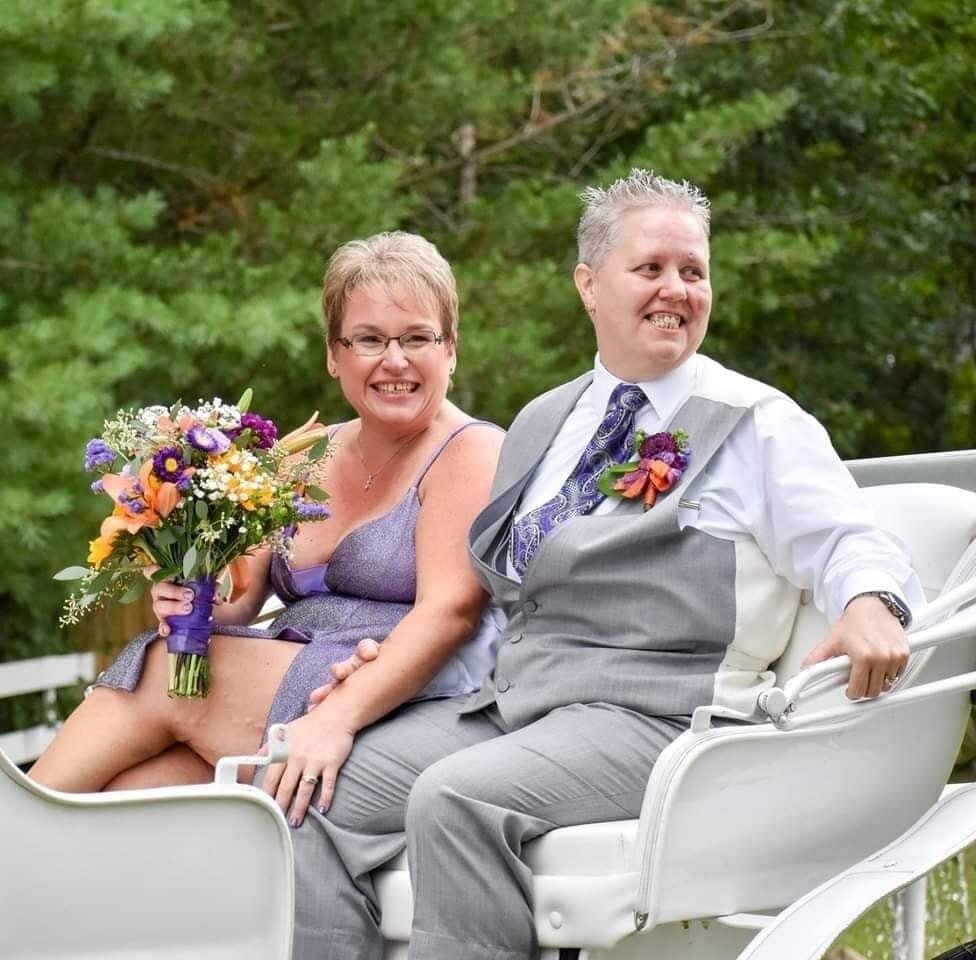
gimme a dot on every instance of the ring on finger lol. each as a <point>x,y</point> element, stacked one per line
<point>308,778</point>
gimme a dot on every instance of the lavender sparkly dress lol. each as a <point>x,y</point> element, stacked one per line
<point>365,590</point>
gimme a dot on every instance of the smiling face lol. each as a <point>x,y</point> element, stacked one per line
<point>650,298</point>
<point>396,391</point>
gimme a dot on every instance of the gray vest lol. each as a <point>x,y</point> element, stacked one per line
<point>623,608</point>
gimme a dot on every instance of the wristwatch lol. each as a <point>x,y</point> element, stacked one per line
<point>894,604</point>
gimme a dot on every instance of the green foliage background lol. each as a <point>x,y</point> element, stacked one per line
<point>174,173</point>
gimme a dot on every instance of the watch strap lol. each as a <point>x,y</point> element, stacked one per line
<point>894,604</point>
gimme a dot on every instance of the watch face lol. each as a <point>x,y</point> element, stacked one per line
<point>897,608</point>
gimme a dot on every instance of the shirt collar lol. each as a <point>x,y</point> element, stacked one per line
<point>665,393</point>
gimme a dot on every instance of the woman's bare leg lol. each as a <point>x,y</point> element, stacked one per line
<point>176,766</point>
<point>114,731</point>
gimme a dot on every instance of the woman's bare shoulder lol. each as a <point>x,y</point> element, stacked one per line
<point>470,455</point>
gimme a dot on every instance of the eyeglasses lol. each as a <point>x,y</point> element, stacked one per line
<point>373,344</point>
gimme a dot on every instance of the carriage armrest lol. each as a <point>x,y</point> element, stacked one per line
<point>227,767</point>
<point>778,703</point>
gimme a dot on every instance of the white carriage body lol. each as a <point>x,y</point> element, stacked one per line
<point>738,822</point>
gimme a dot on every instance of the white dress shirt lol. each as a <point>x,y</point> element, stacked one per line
<point>776,479</point>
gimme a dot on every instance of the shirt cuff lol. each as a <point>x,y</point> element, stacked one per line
<point>867,581</point>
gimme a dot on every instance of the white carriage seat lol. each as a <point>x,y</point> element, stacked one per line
<point>587,879</point>
<point>185,873</point>
<point>935,524</point>
<point>751,818</point>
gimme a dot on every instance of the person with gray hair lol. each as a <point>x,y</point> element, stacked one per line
<point>603,208</point>
<point>650,529</point>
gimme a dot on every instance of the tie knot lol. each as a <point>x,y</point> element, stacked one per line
<point>629,396</point>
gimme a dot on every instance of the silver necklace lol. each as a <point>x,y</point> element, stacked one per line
<point>401,446</point>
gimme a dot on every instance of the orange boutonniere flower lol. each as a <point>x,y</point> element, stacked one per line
<point>661,459</point>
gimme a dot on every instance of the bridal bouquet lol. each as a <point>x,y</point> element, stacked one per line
<point>194,489</point>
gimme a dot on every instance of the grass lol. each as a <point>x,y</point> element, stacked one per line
<point>951,908</point>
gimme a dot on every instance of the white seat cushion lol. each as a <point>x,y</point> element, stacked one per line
<point>589,850</point>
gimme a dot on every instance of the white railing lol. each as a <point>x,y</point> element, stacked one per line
<point>41,675</point>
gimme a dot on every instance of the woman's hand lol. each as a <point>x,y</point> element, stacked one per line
<point>170,599</point>
<point>367,649</point>
<point>318,747</point>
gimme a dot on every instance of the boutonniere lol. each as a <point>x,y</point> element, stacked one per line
<point>661,459</point>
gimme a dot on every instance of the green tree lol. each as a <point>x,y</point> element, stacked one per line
<point>174,175</point>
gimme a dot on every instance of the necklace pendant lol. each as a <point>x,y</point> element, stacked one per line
<point>369,482</point>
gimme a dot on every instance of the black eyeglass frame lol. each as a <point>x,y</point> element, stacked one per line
<point>350,345</point>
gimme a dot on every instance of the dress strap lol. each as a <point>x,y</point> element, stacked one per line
<point>448,439</point>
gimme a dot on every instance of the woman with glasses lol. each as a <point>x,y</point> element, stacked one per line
<point>405,477</point>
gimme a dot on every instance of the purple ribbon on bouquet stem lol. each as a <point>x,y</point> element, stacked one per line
<point>190,632</point>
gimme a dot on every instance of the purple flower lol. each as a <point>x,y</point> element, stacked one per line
<point>134,504</point>
<point>663,458</point>
<point>98,454</point>
<point>168,464</point>
<point>208,439</point>
<point>311,510</point>
<point>264,430</point>
<point>656,444</point>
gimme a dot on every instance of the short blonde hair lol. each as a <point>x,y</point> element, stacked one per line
<point>395,259</point>
<point>602,209</point>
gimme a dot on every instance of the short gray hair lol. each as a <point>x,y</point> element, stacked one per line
<point>602,208</point>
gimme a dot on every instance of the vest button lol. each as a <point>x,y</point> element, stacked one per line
<point>516,638</point>
<point>502,685</point>
<point>531,606</point>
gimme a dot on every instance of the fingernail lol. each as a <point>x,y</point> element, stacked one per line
<point>324,809</point>
<point>293,822</point>
<point>186,608</point>
<point>187,594</point>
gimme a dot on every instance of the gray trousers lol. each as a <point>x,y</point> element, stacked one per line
<point>464,793</point>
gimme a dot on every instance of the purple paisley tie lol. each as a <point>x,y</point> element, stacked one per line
<point>611,443</point>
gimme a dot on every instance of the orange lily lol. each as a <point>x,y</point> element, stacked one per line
<point>158,497</point>
<point>303,437</point>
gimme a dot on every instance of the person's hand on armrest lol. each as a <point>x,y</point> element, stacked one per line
<point>875,641</point>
